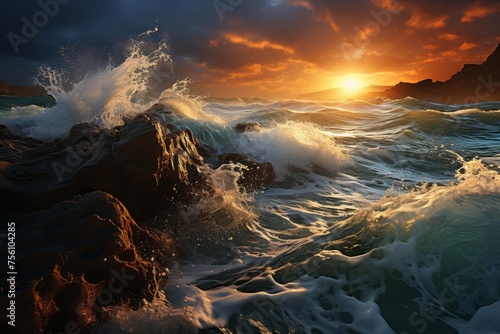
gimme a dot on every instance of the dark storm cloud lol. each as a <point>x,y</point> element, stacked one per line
<point>103,24</point>
<point>65,20</point>
<point>216,38</point>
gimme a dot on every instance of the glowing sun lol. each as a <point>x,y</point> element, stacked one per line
<point>351,84</point>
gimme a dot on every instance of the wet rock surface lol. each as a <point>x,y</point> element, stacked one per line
<point>248,127</point>
<point>80,256</point>
<point>141,163</point>
<point>84,206</point>
<point>255,175</point>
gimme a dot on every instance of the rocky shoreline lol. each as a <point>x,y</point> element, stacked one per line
<point>473,84</point>
<point>83,207</point>
<point>21,91</point>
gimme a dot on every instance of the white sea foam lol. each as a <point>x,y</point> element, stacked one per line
<point>178,100</point>
<point>103,97</point>
<point>304,256</point>
<point>292,144</point>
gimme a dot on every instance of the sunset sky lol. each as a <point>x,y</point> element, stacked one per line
<point>268,48</point>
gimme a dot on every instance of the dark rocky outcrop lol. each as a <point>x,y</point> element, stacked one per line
<point>248,127</point>
<point>84,207</point>
<point>422,88</point>
<point>12,145</point>
<point>255,175</point>
<point>142,164</point>
<point>78,257</point>
<point>340,93</point>
<point>473,84</point>
<point>21,91</point>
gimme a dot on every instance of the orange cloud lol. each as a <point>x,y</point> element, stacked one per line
<point>331,22</point>
<point>287,78</point>
<point>477,11</point>
<point>393,5</point>
<point>318,15</point>
<point>303,3</point>
<point>449,54</point>
<point>254,60</point>
<point>429,58</point>
<point>443,56</point>
<point>449,37</point>
<point>420,20</point>
<point>367,32</point>
<point>467,46</point>
<point>248,71</point>
<point>263,44</point>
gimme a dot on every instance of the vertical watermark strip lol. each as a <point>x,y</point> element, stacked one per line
<point>11,273</point>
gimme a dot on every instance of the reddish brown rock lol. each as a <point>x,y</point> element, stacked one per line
<point>143,164</point>
<point>75,203</point>
<point>78,257</point>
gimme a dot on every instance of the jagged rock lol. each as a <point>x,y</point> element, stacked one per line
<point>141,163</point>
<point>83,132</point>
<point>75,203</point>
<point>22,91</point>
<point>419,89</point>
<point>76,258</point>
<point>248,127</point>
<point>12,145</point>
<point>255,175</point>
<point>473,84</point>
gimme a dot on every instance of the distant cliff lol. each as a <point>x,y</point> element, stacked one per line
<point>339,93</point>
<point>473,84</point>
<point>20,91</point>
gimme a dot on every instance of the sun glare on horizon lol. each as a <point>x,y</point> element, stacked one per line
<point>351,84</point>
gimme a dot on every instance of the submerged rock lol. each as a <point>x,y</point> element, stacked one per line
<point>80,256</point>
<point>248,127</point>
<point>255,175</point>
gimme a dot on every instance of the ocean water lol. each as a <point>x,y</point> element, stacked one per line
<point>384,217</point>
<point>7,103</point>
